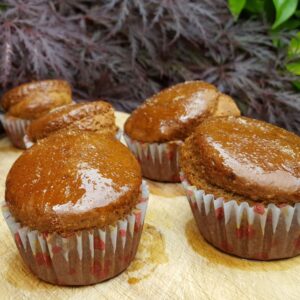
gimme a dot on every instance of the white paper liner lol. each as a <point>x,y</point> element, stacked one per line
<point>84,257</point>
<point>28,143</point>
<point>15,129</point>
<point>255,232</point>
<point>159,161</point>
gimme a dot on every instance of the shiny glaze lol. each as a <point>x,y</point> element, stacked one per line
<point>73,180</point>
<point>251,157</point>
<point>90,183</point>
<point>64,116</point>
<point>34,99</point>
<point>172,113</point>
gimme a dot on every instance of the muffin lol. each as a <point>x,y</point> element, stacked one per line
<point>95,116</point>
<point>77,215</point>
<point>242,180</point>
<point>30,101</point>
<point>157,128</point>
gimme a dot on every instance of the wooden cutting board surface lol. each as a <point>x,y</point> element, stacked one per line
<point>173,260</point>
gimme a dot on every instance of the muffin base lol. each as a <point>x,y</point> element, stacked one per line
<point>83,257</point>
<point>15,129</point>
<point>255,232</point>
<point>159,161</point>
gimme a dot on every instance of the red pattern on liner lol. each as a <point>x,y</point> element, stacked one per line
<point>138,217</point>
<point>226,246</point>
<point>170,154</point>
<point>219,213</point>
<point>56,249</point>
<point>122,232</point>
<point>99,244</point>
<point>245,232</point>
<point>43,259</point>
<point>259,208</point>
<point>18,240</point>
<point>297,243</point>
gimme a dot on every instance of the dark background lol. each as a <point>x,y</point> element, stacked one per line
<point>124,51</point>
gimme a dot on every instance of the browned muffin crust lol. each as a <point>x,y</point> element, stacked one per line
<point>226,107</point>
<point>175,112</point>
<point>95,116</point>
<point>34,99</point>
<point>190,165</point>
<point>233,156</point>
<point>72,181</point>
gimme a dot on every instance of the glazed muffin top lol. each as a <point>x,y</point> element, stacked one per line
<point>175,112</point>
<point>75,116</point>
<point>73,180</point>
<point>34,99</point>
<point>246,157</point>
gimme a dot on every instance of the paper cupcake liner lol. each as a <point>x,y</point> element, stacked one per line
<point>83,257</point>
<point>119,134</point>
<point>29,143</point>
<point>15,129</point>
<point>255,232</point>
<point>159,161</point>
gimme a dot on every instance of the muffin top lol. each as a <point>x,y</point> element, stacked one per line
<point>174,113</point>
<point>247,157</point>
<point>73,180</point>
<point>75,116</point>
<point>34,99</point>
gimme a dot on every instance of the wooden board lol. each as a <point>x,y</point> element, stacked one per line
<point>173,260</point>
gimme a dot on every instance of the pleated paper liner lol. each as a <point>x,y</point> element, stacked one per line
<point>159,161</point>
<point>255,232</point>
<point>28,143</point>
<point>83,257</point>
<point>15,129</point>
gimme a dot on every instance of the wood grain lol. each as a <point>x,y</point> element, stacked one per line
<point>173,261</point>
